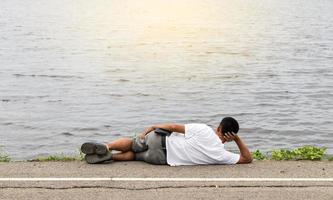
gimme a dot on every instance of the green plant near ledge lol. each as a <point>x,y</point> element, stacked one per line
<point>3,156</point>
<point>301,153</point>
<point>309,153</point>
<point>61,157</point>
<point>283,154</point>
<point>258,155</point>
<point>81,154</point>
<point>54,158</point>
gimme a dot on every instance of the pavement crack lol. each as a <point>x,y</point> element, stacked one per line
<point>160,187</point>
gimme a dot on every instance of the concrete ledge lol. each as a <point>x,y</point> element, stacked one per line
<point>168,189</point>
<point>257,169</point>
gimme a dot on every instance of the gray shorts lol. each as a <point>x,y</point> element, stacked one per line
<point>149,149</point>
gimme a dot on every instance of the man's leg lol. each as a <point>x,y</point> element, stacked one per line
<point>122,144</point>
<point>125,146</point>
<point>127,156</point>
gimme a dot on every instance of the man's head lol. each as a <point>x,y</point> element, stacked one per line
<point>228,124</point>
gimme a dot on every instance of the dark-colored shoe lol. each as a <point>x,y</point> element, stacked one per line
<point>94,148</point>
<point>95,158</point>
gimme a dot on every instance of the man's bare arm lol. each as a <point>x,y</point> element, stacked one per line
<point>179,128</point>
<point>245,154</point>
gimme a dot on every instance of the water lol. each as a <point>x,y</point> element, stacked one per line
<point>79,70</point>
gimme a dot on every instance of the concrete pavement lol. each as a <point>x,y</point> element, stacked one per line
<point>167,189</point>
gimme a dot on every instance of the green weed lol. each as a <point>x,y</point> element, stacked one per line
<point>81,154</point>
<point>3,156</point>
<point>309,153</point>
<point>258,155</point>
<point>302,153</point>
<point>282,154</point>
<point>61,157</point>
<point>53,158</point>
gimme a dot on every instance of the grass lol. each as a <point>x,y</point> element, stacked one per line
<point>61,157</point>
<point>53,158</point>
<point>3,156</point>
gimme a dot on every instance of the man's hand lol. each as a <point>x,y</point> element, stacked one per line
<point>245,155</point>
<point>230,136</point>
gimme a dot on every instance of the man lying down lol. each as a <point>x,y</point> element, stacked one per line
<point>174,144</point>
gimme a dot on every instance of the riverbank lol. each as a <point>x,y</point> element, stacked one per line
<point>226,185</point>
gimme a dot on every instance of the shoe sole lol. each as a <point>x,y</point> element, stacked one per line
<point>95,158</point>
<point>94,148</point>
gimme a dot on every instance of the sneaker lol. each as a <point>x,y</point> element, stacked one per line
<point>94,148</point>
<point>95,158</point>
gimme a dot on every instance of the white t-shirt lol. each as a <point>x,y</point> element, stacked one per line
<point>198,146</point>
